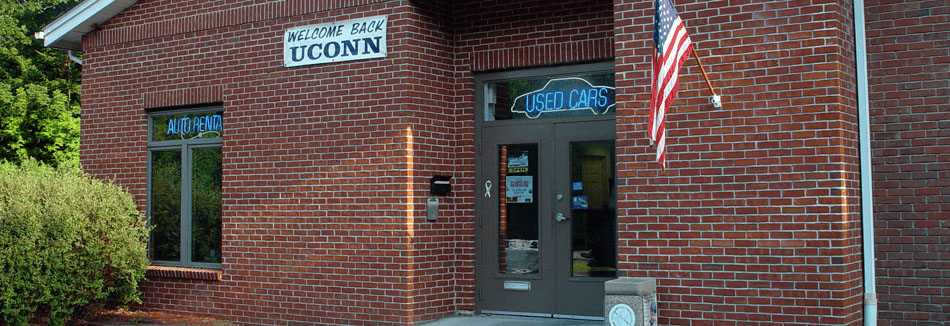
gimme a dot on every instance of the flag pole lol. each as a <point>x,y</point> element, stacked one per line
<point>715,100</point>
<point>652,106</point>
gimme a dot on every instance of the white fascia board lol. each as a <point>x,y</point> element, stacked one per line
<point>67,30</point>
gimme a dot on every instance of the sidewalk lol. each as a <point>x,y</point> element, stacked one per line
<point>509,320</point>
<point>478,320</point>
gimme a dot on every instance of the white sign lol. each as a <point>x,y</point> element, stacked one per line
<point>519,189</point>
<point>355,39</point>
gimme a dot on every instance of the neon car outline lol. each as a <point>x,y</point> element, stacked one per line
<point>592,109</point>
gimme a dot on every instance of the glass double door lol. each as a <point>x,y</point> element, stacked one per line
<point>546,206</point>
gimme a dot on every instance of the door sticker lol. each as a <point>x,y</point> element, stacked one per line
<point>579,202</point>
<point>518,163</point>
<point>577,186</point>
<point>519,189</point>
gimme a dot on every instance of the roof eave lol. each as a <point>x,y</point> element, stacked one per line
<point>66,31</point>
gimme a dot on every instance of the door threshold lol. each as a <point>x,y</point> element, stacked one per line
<point>575,317</point>
<point>507,318</point>
<point>516,314</point>
<point>541,315</point>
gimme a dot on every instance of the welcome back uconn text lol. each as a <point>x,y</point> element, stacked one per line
<point>341,41</point>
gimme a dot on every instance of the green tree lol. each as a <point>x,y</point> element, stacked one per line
<point>39,87</point>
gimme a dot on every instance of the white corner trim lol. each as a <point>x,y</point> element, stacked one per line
<point>67,30</point>
<point>70,20</point>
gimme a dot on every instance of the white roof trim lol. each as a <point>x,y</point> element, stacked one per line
<point>66,31</point>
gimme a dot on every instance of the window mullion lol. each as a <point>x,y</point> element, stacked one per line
<point>186,204</point>
<point>148,200</point>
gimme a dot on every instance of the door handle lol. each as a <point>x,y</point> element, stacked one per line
<point>560,217</point>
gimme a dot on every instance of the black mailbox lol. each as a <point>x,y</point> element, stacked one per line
<point>440,185</point>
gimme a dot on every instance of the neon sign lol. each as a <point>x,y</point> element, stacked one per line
<point>197,125</point>
<point>565,94</point>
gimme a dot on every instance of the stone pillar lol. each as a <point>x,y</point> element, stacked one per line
<point>630,301</point>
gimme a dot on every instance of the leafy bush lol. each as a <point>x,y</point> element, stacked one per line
<point>68,244</point>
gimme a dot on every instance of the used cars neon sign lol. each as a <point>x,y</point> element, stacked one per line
<point>565,94</point>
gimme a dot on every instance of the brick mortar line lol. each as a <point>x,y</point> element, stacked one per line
<point>128,32</point>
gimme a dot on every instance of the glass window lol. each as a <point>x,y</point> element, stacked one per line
<point>185,188</point>
<point>550,97</point>
<point>206,205</point>
<point>166,205</point>
<point>593,209</point>
<point>518,224</point>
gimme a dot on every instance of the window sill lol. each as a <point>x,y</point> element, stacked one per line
<point>188,273</point>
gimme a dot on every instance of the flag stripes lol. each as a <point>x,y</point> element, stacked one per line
<point>673,48</point>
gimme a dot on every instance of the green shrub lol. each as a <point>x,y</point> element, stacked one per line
<point>68,244</point>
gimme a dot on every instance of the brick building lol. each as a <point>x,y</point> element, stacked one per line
<point>284,151</point>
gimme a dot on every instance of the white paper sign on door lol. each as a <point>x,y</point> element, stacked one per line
<point>519,189</point>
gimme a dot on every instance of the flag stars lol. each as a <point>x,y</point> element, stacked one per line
<point>673,46</point>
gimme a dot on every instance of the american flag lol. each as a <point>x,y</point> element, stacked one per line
<point>673,47</point>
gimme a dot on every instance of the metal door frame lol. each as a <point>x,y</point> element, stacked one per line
<point>565,134</point>
<point>488,275</point>
<point>498,132</point>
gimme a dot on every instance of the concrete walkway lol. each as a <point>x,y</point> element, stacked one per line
<point>508,321</point>
<point>480,320</point>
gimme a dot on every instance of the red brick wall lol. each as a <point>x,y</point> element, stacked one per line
<point>496,35</point>
<point>442,252</point>
<point>909,52</point>
<point>756,219</point>
<point>324,165</point>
